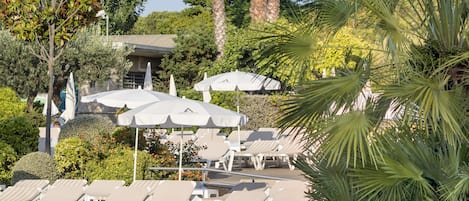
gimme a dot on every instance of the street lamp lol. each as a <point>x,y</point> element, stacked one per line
<point>103,15</point>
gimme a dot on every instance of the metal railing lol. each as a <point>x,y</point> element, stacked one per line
<point>206,170</point>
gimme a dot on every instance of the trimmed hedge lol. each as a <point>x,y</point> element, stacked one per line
<point>36,165</point>
<point>20,134</point>
<point>90,128</point>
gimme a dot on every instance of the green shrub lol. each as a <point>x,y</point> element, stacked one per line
<point>20,134</point>
<point>71,156</point>
<point>126,136</point>
<point>119,165</point>
<point>91,128</point>
<point>10,104</point>
<point>36,165</point>
<point>262,110</point>
<point>8,158</point>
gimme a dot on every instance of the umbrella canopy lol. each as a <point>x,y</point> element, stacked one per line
<point>147,83</point>
<point>70,100</point>
<point>242,81</point>
<point>172,86</point>
<point>133,98</point>
<point>179,113</point>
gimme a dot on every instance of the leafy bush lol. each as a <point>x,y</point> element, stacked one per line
<point>90,128</point>
<point>262,110</point>
<point>8,158</point>
<point>20,134</point>
<point>36,165</point>
<point>126,136</point>
<point>119,165</point>
<point>10,104</point>
<point>71,156</point>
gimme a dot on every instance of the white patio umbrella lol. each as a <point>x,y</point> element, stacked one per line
<point>147,83</point>
<point>131,98</point>
<point>180,113</point>
<point>237,81</point>
<point>70,100</point>
<point>172,86</point>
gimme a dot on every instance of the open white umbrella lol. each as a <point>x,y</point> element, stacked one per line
<point>147,83</point>
<point>172,86</point>
<point>237,81</point>
<point>180,113</point>
<point>70,100</point>
<point>131,98</point>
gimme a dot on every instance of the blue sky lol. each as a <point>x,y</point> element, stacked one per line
<point>163,5</point>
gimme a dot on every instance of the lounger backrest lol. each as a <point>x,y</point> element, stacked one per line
<point>290,190</point>
<point>19,193</point>
<point>173,190</point>
<point>103,188</point>
<point>70,182</point>
<point>214,151</point>
<point>149,185</point>
<point>34,183</point>
<point>128,193</point>
<point>262,146</point>
<point>247,195</point>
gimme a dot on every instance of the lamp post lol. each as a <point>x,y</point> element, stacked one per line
<point>103,14</point>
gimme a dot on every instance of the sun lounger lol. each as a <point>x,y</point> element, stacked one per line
<point>248,195</point>
<point>149,185</point>
<point>202,132</point>
<point>253,151</point>
<point>287,150</point>
<point>34,183</point>
<point>139,190</point>
<point>217,151</point>
<point>128,193</point>
<point>64,190</point>
<point>27,189</point>
<point>173,190</point>
<point>233,139</point>
<point>101,189</point>
<point>20,193</point>
<point>290,190</point>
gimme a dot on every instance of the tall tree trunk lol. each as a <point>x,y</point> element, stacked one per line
<point>218,9</point>
<point>257,11</point>
<point>50,64</point>
<point>273,10</point>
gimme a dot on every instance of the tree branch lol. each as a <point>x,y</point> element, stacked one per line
<point>59,26</point>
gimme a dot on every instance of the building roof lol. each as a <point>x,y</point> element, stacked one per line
<point>146,45</point>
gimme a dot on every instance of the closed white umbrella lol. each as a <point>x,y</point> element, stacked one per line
<point>206,97</point>
<point>147,83</point>
<point>180,113</point>
<point>70,100</point>
<point>172,86</point>
<point>54,109</point>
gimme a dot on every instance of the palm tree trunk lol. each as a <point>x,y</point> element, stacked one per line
<point>273,10</point>
<point>257,11</point>
<point>219,20</point>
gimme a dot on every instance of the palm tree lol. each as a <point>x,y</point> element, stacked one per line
<point>420,153</point>
<point>218,9</point>
<point>257,11</point>
<point>273,10</point>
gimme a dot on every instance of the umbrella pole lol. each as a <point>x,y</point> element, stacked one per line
<point>239,127</point>
<point>135,154</point>
<point>180,153</point>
